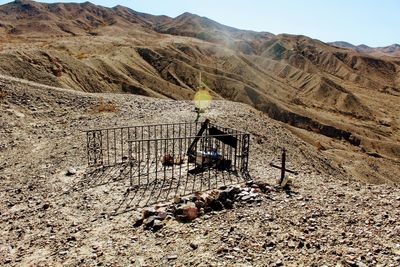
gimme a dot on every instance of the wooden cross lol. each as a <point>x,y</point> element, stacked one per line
<point>283,166</point>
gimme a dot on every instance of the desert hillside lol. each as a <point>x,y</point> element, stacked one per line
<point>50,218</point>
<point>344,101</point>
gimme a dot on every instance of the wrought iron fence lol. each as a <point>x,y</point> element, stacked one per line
<point>109,147</point>
<point>166,160</point>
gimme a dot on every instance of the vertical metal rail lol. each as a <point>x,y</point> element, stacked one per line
<point>122,144</point>
<point>156,158</point>
<point>88,149</point>
<point>148,163</point>
<point>95,148</point>
<point>223,171</point>
<point>283,169</point>
<point>236,155</point>
<point>139,153</point>
<point>130,165</point>
<point>173,161</point>
<point>108,149</point>
<point>245,157</point>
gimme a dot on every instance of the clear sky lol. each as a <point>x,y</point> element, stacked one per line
<point>370,22</point>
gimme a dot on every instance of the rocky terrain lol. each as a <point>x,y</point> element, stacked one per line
<point>66,68</point>
<point>49,217</point>
<point>341,100</point>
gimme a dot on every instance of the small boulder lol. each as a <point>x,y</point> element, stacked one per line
<point>149,222</point>
<point>187,212</point>
<point>70,172</point>
<point>223,196</point>
<point>269,244</point>
<point>157,225</point>
<point>247,198</point>
<point>228,204</point>
<point>216,205</point>
<point>194,246</point>
<point>200,204</point>
<point>169,217</point>
<point>177,200</point>
<point>233,191</point>
<point>222,249</point>
<point>161,215</point>
<point>147,212</point>
<point>138,221</point>
<point>172,257</point>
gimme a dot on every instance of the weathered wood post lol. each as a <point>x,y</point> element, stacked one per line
<point>283,166</point>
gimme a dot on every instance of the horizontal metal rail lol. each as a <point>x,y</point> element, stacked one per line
<point>138,125</point>
<point>186,137</point>
<point>159,124</point>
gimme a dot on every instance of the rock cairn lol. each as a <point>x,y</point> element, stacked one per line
<point>187,209</point>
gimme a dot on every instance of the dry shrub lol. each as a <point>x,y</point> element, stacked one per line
<point>169,161</point>
<point>57,71</point>
<point>319,146</point>
<point>82,56</point>
<point>105,107</point>
<point>62,47</point>
<point>3,95</point>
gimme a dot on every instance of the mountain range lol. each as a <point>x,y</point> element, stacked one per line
<point>391,50</point>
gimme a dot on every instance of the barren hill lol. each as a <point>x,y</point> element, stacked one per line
<point>29,18</point>
<point>344,102</point>
<point>49,218</point>
<point>206,29</point>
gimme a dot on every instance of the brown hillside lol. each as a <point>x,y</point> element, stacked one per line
<point>337,98</point>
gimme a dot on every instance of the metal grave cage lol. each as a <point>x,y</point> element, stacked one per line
<point>161,161</point>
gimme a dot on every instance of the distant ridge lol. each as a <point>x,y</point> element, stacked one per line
<point>391,50</point>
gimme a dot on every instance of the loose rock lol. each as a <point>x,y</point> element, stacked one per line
<point>187,212</point>
<point>71,172</point>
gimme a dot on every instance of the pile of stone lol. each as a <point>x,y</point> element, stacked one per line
<point>187,209</point>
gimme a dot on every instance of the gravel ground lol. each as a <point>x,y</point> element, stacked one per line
<point>326,219</point>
